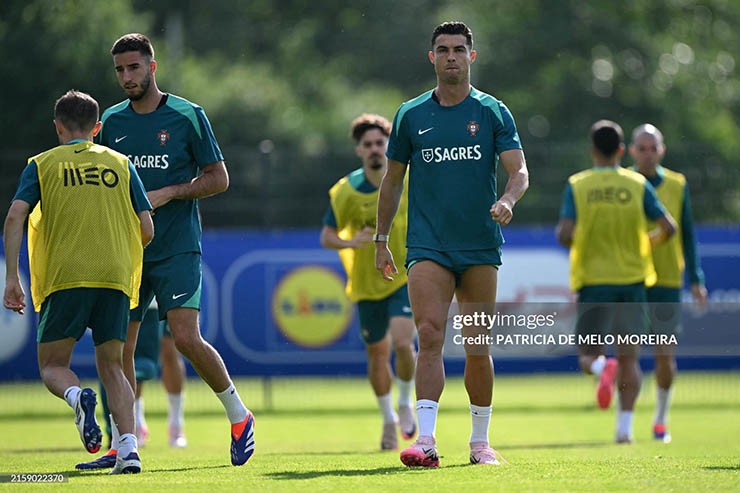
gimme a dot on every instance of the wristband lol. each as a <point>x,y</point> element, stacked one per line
<point>377,237</point>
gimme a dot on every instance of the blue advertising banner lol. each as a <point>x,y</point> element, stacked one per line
<point>273,304</point>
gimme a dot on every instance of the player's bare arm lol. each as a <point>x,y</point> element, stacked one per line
<point>389,197</point>
<point>213,180</point>
<point>14,297</point>
<point>147,227</point>
<point>564,231</point>
<point>516,167</point>
<point>330,238</point>
<point>699,294</point>
<point>666,228</point>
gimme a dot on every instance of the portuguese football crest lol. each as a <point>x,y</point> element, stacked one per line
<point>163,137</point>
<point>473,128</point>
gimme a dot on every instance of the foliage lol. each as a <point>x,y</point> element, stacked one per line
<point>297,74</point>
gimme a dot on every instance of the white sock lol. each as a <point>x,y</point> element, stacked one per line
<point>481,416</point>
<point>71,394</point>
<point>386,408</point>
<point>624,423</point>
<point>405,387</point>
<point>235,409</point>
<point>426,413</point>
<point>127,444</point>
<point>114,435</point>
<point>176,413</point>
<point>662,403</point>
<point>597,366</point>
<point>139,410</point>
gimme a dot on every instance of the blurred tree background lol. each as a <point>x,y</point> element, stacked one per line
<point>280,81</point>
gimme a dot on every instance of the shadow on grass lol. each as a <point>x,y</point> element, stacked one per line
<point>96,472</point>
<point>328,452</point>
<point>504,447</point>
<point>42,450</point>
<point>301,475</point>
<point>546,446</point>
<point>736,467</point>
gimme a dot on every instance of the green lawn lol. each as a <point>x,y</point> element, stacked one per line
<point>323,434</point>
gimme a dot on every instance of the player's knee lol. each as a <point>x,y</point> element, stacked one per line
<point>431,336</point>
<point>378,351</point>
<point>404,347</point>
<point>186,342</point>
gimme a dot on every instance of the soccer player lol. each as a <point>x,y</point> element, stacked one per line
<point>385,314</point>
<point>603,219</point>
<point>85,252</point>
<point>671,259</point>
<point>452,138</point>
<point>172,145</point>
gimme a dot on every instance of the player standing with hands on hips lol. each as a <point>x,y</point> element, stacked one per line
<point>452,139</point>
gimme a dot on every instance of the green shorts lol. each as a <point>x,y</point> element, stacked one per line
<point>456,261</point>
<point>69,312</point>
<point>375,316</point>
<point>175,281</point>
<point>612,309</point>
<point>664,309</point>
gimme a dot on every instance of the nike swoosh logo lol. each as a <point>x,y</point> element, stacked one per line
<point>422,132</point>
<point>79,151</point>
<point>174,297</point>
<point>119,139</point>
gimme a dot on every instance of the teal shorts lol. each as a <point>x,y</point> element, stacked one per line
<point>375,316</point>
<point>456,261</point>
<point>612,309</point>
<point>175,281</point>
<point>69,312</point>
<point>664,309</point>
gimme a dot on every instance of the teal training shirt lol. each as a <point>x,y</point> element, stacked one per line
<point>452,152</point>
<point>168,146</point>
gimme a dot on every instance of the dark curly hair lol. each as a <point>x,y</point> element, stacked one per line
<point>368,121</point>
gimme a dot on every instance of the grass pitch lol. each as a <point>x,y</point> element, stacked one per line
<point>324,435</point>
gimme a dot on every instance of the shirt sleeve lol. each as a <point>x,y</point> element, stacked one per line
<point>399,143</point>
<point>138,193</point>
<point>688,238</point>
<point>650,203</point>
<point>205,147</point>
<point>505,135</point>
<point>330,219</point>
<point>29,189</point>
<point>568,204</point>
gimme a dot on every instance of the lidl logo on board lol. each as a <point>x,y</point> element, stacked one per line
<point>310,306</point>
